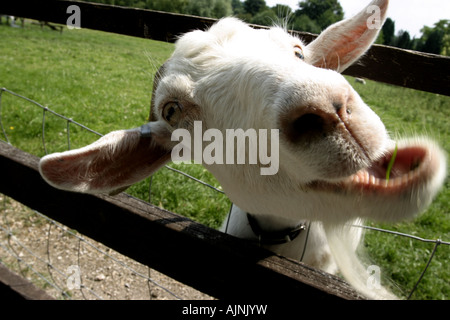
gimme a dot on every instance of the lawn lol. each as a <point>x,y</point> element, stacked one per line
<point>104,81</point>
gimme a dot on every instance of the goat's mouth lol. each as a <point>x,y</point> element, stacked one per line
<point>398,171</point>
<point>394,172</point>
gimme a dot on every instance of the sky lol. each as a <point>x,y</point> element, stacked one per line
<point>409,15</point>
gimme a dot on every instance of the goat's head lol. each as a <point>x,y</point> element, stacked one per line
<point>334,151</point>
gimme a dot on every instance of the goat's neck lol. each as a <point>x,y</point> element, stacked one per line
<point>274,223</point>
<point>267,223</point>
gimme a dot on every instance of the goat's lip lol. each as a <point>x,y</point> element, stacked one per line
<point>413,166</point>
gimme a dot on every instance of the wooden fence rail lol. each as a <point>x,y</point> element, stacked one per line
<point>208,260</point>
<point>406,68</point>
<point>14,287</point>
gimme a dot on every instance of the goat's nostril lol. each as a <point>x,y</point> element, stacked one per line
<point>307,125</point>
<point>337,106</point>
<point>342,110</point>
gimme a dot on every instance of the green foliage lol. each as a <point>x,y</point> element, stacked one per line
<point>253,7</point>
<point>433,40</point>
<point>265,18</point>
<point>175,6</point>
<point>380,38</point>
<point>209,8</point>
<point>203,8</point>
<point>282,10</point>
<point>437,39</point>
<point>323,12</point>
<point>305,23</point>
<point>388,31</point>
<point>403,40</point>
<point>237,6</point>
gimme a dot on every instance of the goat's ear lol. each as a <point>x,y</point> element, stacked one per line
<point>112,163</point>
<point>341,44</point>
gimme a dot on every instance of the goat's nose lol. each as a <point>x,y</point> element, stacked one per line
<point>343,110</point>
<point>317,118</point>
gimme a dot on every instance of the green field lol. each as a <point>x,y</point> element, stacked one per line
<point>104,81</point>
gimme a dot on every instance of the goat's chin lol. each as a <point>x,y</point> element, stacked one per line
<point>406,184</point>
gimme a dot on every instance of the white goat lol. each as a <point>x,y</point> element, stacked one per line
<point>333,149</point>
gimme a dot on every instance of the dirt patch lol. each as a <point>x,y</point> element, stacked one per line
<point>68,265</point>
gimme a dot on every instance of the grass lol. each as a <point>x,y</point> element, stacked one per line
<point>104,81</point>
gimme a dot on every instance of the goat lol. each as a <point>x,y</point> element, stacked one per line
<point>334,151</point>
<point>360,80</point>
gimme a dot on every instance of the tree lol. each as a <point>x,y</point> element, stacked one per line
<point>281,10</point>
<point>323,12</point>
<point>176,6</point>
<point>265,18</point>
<point>222,8</point>
<point>403,40</point>
<point>380,38</point>
<point>433,42</point>
<point>305,23</point>
<point>253,7</point>
<point>437,39</point>
<point>237,6</point>
<point>209,8</point>
<point>388,31</point>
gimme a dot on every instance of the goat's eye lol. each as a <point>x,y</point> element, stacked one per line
<point>299,52</point>
<point>172,112</point>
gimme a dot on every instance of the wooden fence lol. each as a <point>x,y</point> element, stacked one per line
<point>210,261</point>
<point>406,68</point>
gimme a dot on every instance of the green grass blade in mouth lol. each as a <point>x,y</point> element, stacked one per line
<point>391,163</point>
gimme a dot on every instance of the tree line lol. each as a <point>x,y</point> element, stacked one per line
<point>434,39</point>
<point>311,16</point>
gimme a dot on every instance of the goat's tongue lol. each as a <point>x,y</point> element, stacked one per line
<point>404,170</point>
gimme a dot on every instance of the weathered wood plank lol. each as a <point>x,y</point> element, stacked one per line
<point>405,68</point>
<point>208,260</point>
<point>411,69</point>
<point>15,287</point>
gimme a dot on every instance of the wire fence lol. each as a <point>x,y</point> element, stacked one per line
<point>67,264</point>
<point>53,256</point>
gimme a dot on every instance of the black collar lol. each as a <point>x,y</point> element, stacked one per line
<point>274,237</point>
